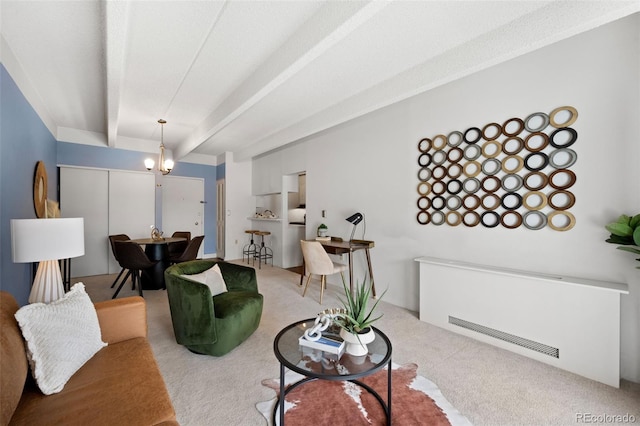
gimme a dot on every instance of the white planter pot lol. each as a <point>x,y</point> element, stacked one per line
<point>356,344</point>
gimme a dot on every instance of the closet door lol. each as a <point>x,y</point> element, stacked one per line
<point>132,203</point>
<point>85,193</point>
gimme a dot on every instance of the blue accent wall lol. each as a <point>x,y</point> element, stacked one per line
<point>24,140</point>
<point>73,154</point>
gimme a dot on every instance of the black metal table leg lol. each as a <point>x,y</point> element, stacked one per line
<point>282,395</point>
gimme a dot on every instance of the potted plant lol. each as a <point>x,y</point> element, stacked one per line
<point>626,232</point>
<point>322,230</point>
<point>356,319</point>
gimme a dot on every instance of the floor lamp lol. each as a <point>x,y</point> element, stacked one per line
<point>46,241</point>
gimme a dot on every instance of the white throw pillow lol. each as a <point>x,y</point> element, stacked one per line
<point>212,278</point>
<point>60,337</point>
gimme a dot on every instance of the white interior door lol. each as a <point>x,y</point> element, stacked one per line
<point>85,193</point>
<point>183,206</point>
<point>220,209</point>
<point>132,206</point>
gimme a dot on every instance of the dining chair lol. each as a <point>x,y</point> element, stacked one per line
<point>177,248</point>
<point>133,258</point>
<point>318,262</point>
<point>112,239</point>
<point>190,253</point>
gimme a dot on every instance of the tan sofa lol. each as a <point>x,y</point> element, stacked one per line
<point>120,385</point>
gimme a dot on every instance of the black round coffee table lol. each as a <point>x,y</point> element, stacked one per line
<point>315,364</point>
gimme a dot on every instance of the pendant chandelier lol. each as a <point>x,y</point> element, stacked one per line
<point>164,166</point>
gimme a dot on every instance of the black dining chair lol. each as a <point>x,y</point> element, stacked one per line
<point>177,248</point>
<point>132,257</point>
<point>112,240</point>
<point>190,253</point>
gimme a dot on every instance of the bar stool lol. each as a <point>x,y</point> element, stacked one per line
<point>264,253</point>
<point>250,249</point>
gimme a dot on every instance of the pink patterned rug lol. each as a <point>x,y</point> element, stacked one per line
<point>415,401</point>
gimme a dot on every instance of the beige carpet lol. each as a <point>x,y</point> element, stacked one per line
<point>489,386</point>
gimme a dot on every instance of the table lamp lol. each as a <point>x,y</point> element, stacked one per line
<point>46,241</point>
<point>354,219</point>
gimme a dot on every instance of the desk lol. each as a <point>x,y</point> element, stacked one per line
<point>156,250</point>
<point>342,247</point>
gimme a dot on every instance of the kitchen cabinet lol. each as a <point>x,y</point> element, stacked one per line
<point>267,174</point>
<point>276,175</point>
<point>294,159</point>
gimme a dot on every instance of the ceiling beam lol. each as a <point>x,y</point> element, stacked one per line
<point>521,35</point>
<point>115,14</point>
<point>333,22</point>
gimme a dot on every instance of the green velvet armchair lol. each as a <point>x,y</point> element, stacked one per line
<point>213,325</point>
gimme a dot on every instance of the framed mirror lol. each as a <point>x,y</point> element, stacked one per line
<point>40,190</point>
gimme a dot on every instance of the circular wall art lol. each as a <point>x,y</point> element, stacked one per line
<point>512,173</point>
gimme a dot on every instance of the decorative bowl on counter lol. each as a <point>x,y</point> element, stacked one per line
<point>267,214</point>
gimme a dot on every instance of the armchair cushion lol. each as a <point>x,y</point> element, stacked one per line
<point>212,278</point>
<point>209,324</point>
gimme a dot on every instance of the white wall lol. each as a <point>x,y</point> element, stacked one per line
<point>238,204</point>
<point>370,165</point>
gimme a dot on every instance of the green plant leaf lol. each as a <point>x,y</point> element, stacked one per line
<point>635,221</point>
<point>614,239</point>
<point>635,250</point>
<point>619,229</point>
<point>624,219</point>
<point>358,317</point>
<point>636,236</point>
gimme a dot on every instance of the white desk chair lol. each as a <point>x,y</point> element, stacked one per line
<point>318,262</point>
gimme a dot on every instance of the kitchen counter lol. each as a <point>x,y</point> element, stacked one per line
<point>265,219</point>
<point>284,239</point>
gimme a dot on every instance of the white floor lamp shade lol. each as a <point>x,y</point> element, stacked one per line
<point>46,241</point>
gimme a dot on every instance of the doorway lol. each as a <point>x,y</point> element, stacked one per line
<point>220,218</point>
<point>183,206</point>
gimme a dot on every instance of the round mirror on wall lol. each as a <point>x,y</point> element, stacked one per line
<point>40,190</point>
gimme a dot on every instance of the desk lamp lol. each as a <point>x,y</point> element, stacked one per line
<point>46,241</point>
<point>354,219</point>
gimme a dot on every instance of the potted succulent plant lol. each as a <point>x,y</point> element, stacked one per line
<point>322,230</point>
<point>626,232</point>
<point>355,322</point>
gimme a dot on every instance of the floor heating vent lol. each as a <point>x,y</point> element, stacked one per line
<point>511,338</point>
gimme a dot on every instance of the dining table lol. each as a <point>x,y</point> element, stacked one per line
<point>157,250</point>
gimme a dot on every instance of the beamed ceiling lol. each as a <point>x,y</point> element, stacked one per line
<point>250,76</point>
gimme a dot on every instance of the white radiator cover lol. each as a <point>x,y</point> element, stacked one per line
<point>578,317</point>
